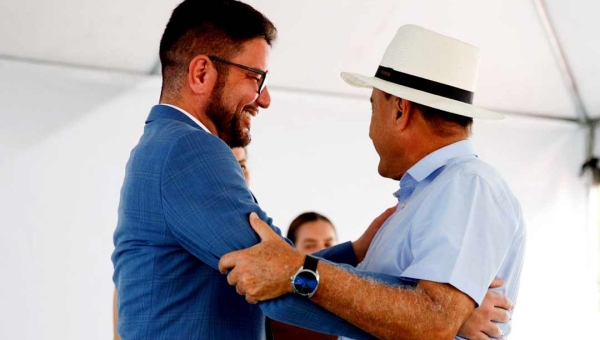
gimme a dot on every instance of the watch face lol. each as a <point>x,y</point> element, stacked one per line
<point>305,282</point>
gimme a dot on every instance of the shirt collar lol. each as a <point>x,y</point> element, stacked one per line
<point>439,158</point>
<point>194,119</point>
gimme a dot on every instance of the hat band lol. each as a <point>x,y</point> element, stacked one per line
<point>425,85</point>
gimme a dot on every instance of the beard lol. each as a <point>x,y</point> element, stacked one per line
<point>229,124</point>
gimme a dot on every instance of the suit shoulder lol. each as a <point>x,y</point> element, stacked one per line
<point>200,140</point>
<point>175,133</point>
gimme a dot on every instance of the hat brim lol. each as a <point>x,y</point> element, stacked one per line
<point>421,97</point>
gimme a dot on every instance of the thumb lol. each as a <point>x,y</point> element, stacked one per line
<point>261,228</point>
<point>498,282</point>
<point>390,211</point>
<point>385,215</point>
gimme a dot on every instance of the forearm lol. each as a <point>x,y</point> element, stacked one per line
<point>299,311</point>
<point>385,311</point>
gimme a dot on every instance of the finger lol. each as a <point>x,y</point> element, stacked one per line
<point>497,283</point>
<point>251,300</point>
<point>388,212</point>
<point>497,300</point>
<point>262,229</point>
<point>480,336</point>
<point>240,290</point>
<point>384,216</point>
<point>501,301</point>
<point>500,315</point>
<point>233,278</point>
<point>493,331</point>
<point>228,261</point>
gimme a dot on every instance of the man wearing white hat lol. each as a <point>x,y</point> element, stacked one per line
<point>457,225</point>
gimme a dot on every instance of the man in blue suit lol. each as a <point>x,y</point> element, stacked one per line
<point>184,202</point>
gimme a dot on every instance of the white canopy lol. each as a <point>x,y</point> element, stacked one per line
<point>318,39</point>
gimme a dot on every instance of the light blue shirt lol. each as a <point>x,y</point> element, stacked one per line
<point>457,222</point>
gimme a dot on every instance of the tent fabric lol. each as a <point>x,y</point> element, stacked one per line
<point>318,40</point>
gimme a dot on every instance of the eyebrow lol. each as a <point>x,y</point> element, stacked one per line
<point>311,240</point>
<point>253,74</point>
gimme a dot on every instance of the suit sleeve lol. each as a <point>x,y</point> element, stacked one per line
<point>206,200</point>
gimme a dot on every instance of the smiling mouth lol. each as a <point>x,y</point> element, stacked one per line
<point>248,115</point>
<point>250,112</point>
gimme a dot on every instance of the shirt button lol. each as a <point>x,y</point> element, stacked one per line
<point>402,205</point>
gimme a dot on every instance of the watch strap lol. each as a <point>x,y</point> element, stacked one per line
<point>310,263</point>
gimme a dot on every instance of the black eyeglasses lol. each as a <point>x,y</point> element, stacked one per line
<point>263,74</point>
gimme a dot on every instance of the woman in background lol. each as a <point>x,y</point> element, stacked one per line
<point>312,232</point>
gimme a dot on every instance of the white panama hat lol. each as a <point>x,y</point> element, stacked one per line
<point>428,68</point>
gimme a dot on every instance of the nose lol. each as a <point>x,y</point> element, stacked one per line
<point>264,98</point>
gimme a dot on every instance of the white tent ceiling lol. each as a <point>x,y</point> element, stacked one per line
<point>318,39</point>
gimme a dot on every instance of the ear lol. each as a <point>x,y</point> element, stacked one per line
<point>404,109</point>
<point>202,75</point>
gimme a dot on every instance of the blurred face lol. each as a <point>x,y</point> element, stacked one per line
<point>240,155</point>
<point>314,236</point>
<point>235,100</point>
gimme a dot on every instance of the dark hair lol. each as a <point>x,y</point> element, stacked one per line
<point>304,218</point>
<point>439,120</point>
<point>209,27</point>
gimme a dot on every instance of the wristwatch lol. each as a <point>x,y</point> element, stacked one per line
<point>306,280</point>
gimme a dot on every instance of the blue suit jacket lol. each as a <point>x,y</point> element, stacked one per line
<point>184,204</point>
